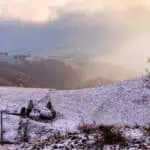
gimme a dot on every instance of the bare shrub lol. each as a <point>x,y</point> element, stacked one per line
<point>87,128</point>
<point>147,129</point>
<point>136,126</point>
<point>111,135</point>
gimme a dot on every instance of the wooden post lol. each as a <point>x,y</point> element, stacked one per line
<point>25,136</point>
<point>1,126</point>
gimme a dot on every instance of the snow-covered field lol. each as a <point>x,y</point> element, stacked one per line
<point>125,103</point>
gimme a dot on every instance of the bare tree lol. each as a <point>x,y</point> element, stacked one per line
<point>148,69</point>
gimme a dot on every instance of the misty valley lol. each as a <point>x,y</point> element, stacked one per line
<point>49,72</point>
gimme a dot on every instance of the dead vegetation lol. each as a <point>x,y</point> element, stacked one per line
<point>147,129</point>
<point>110,134</point>
<point>23,130</point>
<point>88,128</point>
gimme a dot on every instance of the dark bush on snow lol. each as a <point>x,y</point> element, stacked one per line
<point>110,134</point>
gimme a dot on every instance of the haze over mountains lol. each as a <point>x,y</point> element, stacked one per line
<point>98,40</point>
<point>118,37</point>
<point>49,73</point>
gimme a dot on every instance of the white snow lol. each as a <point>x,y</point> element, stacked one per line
<point>125,103</point>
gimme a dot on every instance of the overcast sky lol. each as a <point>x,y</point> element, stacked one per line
<point>115,31</point>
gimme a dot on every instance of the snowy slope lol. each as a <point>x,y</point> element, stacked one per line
<point>125,103</point>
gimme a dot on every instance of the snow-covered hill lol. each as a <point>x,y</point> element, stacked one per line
<point>125,103</point>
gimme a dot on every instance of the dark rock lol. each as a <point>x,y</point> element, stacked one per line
<point>83,141</point>
<point>75,142</point>
<point>71,146</point>
<point>74,138</point>
<point>55,147</point>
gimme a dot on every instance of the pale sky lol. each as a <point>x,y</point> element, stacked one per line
<point>42,10</point>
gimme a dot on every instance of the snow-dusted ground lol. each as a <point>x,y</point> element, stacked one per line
<point>125,103</point>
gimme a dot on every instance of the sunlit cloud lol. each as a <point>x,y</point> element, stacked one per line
<point>40,11</point>
<point>113,31</point>
<point>30,10</point>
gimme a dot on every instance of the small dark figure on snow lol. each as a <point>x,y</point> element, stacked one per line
<point>53,114</point>
<point>50,107</point>
<point>29,108</point>
<point>23,112</point>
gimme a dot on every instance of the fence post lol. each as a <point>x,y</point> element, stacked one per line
<point>1,126</point>
<point>25,136</point>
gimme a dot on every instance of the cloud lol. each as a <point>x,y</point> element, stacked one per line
<point>30,10</point>
<point>41,11</point>
<point>67,34</point>
<point>94,34</point>
<point>133,51</point>
<point>114,31</point>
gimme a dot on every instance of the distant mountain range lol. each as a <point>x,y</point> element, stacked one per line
<point>48,73</point>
